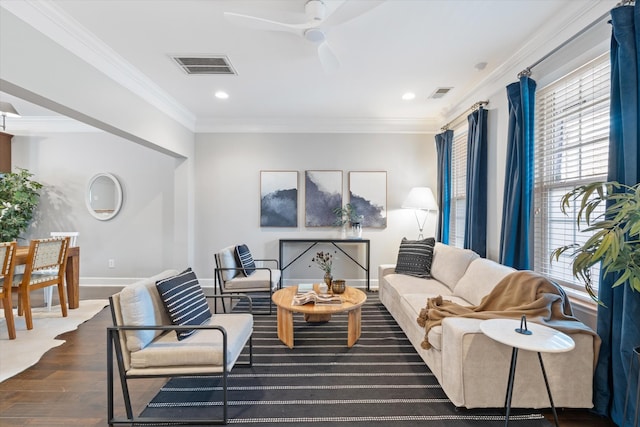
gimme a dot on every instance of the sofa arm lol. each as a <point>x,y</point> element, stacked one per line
<point>384,269</point>
<point>473,363</point>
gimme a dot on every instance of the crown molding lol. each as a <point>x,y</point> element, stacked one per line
<point>38,125</point>
<point>53,22</point>
<point>317,125</point>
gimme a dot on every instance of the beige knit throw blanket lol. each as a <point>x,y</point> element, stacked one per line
<point>519,293</point>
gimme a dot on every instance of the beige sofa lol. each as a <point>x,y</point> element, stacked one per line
<point>473,369</point>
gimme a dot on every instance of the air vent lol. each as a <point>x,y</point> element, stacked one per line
<point>440,92</point>
<point>205,64</point>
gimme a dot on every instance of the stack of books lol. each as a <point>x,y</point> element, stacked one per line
<point>302,298</point>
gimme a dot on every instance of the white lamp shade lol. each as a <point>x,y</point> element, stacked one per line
<point>420,198</point>
<point>7,110</point>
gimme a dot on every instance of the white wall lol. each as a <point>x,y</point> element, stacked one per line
<point>228,190</point>
<point>225,179</point>
<point>140,239</point>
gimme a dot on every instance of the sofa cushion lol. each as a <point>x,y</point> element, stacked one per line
<point>227,259</point>
<point>140,305</point>
<point>404,284</point>
<point>184,300</point>
<point>415,256</point>
<point>413,303</point>
<point>481,277</point>
<point>245,260</point>
<point>450,263</point>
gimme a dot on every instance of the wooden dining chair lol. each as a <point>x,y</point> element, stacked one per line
<point>44,254</point>
<point>7,258</point>
<point>73,241</point>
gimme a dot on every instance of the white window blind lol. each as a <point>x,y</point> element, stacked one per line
<point>458,186</point>
<point>571,149</point>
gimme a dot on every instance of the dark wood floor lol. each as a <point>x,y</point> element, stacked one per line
<point>68,386</point>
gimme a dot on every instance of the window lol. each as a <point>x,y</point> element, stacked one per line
<point>458,186</point>
<point>571,149</point>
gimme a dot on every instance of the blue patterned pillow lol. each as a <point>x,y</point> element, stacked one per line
<point>245,260</point>
<point>184,300</point>
<point>415,257</point>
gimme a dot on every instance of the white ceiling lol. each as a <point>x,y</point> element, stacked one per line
<point>398,46</point>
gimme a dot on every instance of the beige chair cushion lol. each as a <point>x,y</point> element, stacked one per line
<point>204,348</point>
<point>141,305</point>
<point>450,263</point>
<point>258,281</point>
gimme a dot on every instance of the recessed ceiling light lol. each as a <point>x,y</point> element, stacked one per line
<point>221,94</point>
<point>408,96</point>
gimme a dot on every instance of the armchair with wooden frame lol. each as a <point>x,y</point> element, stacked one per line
<point>238,272</point>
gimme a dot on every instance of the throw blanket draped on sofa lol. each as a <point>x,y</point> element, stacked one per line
<point>519,293</point>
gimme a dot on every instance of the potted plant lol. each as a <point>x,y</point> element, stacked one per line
<point>348,215</point>
<point>324,260</point>
<point>18,199</point>
<point>616,238</point>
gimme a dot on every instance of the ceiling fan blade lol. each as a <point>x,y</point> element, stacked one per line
<point>328,59</point>
<point>257,23</point>
<point>349,10</point>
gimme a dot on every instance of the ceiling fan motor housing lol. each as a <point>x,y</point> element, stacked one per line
<point>315,10</point>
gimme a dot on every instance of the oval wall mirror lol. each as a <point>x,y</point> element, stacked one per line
<point>104,196</point>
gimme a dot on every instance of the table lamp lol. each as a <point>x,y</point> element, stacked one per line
<point>420,199</point>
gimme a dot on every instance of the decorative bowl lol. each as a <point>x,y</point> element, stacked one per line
<point>338,286</point>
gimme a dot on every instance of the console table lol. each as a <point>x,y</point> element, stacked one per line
<point>335,242</point>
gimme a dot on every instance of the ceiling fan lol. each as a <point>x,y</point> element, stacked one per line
<point>316,27</point>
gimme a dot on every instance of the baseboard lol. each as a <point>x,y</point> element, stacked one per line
<point>119,282</point>
<point>124,281</point>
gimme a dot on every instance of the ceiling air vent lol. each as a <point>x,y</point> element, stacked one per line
<point>440,92</point>
<point>205,64</point>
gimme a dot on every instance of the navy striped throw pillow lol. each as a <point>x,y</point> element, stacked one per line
<point>184,300</point>
<point>245,260</point>
<point>415,256</point>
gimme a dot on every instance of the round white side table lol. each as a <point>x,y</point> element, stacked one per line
<point>532,337</point>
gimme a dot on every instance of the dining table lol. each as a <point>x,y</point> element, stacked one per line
<point>72,272</point>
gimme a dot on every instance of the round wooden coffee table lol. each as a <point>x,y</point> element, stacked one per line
<point>352,300</point>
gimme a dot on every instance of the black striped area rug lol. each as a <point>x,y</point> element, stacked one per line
<point>380,381</point>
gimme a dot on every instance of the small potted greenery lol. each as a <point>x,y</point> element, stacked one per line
<point>616,238</point>
<point>324,260</point>
<point>348,214</point>
<point>18,199</point>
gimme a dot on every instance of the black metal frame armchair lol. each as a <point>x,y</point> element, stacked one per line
<point>116,345</point>
<point>264,279</point>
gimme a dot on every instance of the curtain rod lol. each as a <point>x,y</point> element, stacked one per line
<point>473,108</point>
<point>527,71</point>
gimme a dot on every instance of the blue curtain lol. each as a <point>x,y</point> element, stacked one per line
<point>618,322</point>
<point>475,230</point>
<point>444,141</point>
<point>516,244</point>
